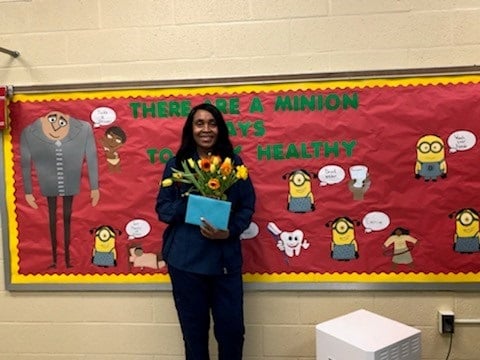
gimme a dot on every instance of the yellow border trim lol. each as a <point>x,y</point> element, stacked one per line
<point>363,277</point>
<point>232,89</point>
<point>66,279</point>
<point>253,277</point>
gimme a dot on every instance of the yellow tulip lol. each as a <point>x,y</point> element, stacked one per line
<point>191,163</point>
<point>242,172</point>
<point>216,160</point>
<point>167,182</point>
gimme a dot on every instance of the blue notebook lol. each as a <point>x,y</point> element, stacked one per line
<point>216,212</point>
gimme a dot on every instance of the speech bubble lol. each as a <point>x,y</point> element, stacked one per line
<point>103,116</point>
<point>137,228</point>
<point>461,140</point>
<point>250,232</point>
<point>375,221</point>
<point>331,174</point>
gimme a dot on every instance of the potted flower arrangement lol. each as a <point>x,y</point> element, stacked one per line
<point>210,178</point>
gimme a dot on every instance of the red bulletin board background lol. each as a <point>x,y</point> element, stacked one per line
<point>319,128</point>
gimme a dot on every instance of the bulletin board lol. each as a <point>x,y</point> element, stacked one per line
<point>363,180</point>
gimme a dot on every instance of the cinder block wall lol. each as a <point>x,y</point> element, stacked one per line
<point>83,41</point>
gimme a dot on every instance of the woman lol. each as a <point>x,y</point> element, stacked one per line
<point>204,263</point>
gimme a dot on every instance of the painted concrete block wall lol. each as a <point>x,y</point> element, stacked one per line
<point>85,41</point>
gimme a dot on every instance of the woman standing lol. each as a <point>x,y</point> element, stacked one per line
<point>205,263</point>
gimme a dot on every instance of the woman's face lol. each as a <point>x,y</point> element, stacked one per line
<point>205,131</point>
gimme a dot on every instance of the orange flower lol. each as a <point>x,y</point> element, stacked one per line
<point>226,168</point>
<point>214,184</point>
<point>204,164</point>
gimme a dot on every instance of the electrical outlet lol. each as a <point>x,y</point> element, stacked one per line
<point>446,322</point>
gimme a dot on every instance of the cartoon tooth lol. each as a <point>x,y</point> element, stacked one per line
<point>289,242</point>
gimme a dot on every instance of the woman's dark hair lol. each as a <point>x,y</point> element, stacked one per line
<point>223,146</point>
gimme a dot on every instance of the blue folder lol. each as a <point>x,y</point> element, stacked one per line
<point>216,212</point>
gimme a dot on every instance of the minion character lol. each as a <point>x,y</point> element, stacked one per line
<point>430,158</point>
<point>104,252</point>
<point>300,197</point>
<point>344,247</point>
<point>467,237</point>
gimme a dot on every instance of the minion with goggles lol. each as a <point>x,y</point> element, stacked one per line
<point>467,237</point>
<point>430,158</point>
<point>344,246</point>
<point>104,253</point>
<point>300,196</point>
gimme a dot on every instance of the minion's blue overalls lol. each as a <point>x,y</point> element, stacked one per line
<point>206,274</point>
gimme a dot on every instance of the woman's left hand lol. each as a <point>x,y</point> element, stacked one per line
<point>209,231</point>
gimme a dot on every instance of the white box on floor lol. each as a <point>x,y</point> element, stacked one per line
<point>363,335</point>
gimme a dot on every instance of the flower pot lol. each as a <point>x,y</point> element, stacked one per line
<point>216,212</point>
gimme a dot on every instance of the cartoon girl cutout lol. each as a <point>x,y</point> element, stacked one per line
<point>401,252</point>
<point>112,141</point>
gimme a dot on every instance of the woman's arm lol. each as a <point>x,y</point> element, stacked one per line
<point>244,207</point>
<point>171,205</point>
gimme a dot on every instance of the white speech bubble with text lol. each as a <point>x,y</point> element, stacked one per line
<point>331,174</point>
<point>250,232</point>
<point>137,228</point>
<point>103,116</point>
<point>375,221</point>
<point>461,140</point>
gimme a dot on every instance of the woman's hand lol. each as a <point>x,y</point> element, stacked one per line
<point>209,231</point>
